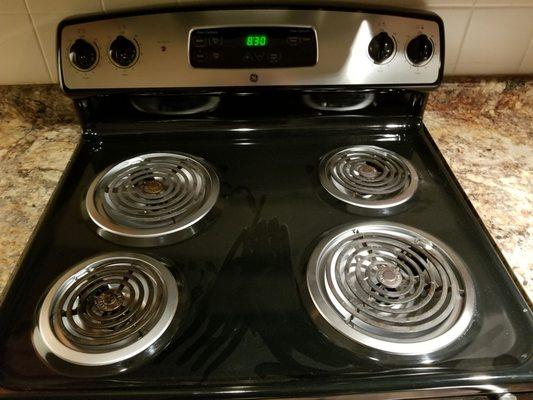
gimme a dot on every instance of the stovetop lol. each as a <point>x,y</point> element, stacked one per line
<point>247,330</point>
<point>258,211</point>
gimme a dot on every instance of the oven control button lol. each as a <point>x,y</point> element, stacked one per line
<point>420,50</point>
<point>274,58</point>
<point>199,41</point>
<point>200,56</point>
<point>294,40</point>
<point>215,40</point>
<point>123,52</point>
<point>83,55</point>
<point>381,48</point>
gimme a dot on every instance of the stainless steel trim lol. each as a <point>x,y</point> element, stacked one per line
<point>342,39</point>
<point>352,326</point>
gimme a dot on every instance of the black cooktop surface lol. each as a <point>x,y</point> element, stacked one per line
<point>247,330</point>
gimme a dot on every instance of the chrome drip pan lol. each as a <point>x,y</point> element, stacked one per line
<point>108,312</point>
<point>152,199</point>
<point>368,176</point>
<point>391,288</point>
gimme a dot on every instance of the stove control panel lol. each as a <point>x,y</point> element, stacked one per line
<point>250,47</point>
<point>253,46</point>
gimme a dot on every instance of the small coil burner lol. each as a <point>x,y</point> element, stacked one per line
<point>368,176</point>
<point>391,288</point>
<point>109,312</point>
<point>153,199</point>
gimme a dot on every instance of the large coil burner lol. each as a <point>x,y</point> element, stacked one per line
<point>152,199</point>
<point>368,177</point>
<point>391,288</point>
<point>109,312</point>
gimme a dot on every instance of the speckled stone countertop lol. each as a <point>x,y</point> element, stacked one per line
<point>484,128</point>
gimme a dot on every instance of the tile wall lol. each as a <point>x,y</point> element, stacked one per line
<point>484,37</point>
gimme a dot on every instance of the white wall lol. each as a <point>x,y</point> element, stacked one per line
<point>483,36</point>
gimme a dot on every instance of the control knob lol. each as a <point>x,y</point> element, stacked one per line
<point>419,49</point>
<point>83,54</point>
<point>123,51</point>
<point>381,47</point>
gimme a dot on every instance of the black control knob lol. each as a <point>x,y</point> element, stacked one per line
<point>420,49</point>
<point>123,51</point>
<point>83,54</point>
<point>381,47</point>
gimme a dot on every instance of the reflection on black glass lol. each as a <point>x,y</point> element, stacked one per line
<point>254,308</point>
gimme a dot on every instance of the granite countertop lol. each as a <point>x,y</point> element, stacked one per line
<point>484,129</point>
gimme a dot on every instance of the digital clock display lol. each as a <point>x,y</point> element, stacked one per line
<point>256,40</point>
<point>253,47</point>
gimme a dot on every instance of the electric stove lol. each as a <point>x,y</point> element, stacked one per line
<point>256,210</point>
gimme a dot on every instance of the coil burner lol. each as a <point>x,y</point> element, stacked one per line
<point>153,199</point>
<point>368,176</point>
<point>109,313</point>
<point>391,288</point>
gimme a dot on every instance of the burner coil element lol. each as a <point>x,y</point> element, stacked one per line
<point>391,288</point>
<point>368,176</point>
<point>153,199</point>
<point>108,310</point>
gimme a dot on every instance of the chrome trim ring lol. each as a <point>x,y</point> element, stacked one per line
<point>368,176</point>
<point>365,102</point>
<point>153,199</point>
<point>108,310</point>
<point>390,287</point>
<point>211,102</point>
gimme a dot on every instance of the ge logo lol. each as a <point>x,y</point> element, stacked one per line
<point>254,78</point>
